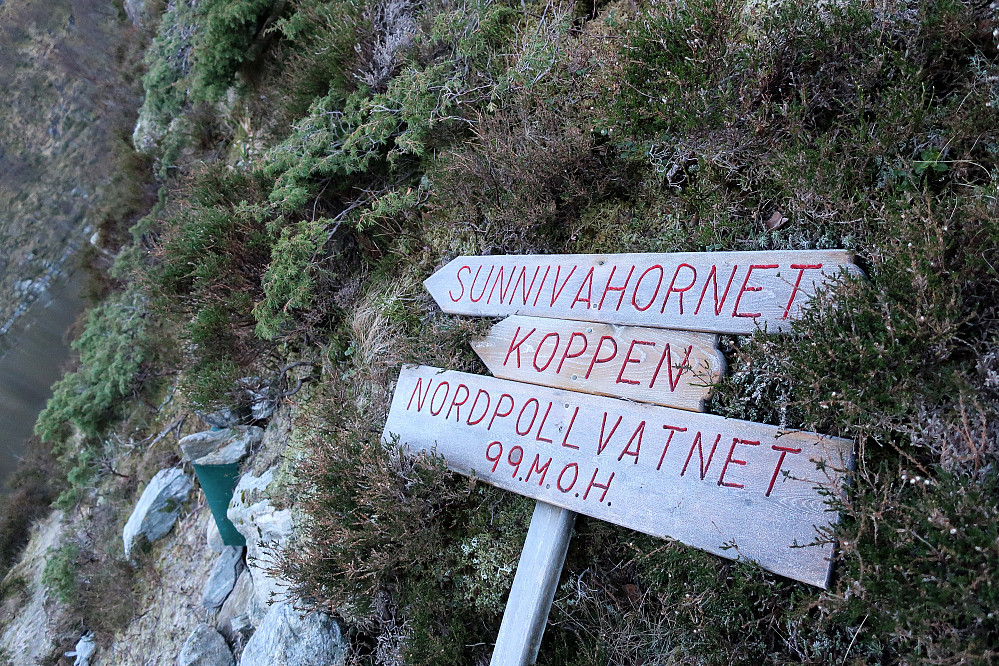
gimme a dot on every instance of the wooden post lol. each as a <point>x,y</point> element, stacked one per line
<point>533,586</point>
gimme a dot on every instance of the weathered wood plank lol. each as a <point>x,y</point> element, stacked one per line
<point>661,366</point>
<point>725,292</point>
<point>534,584</point>
<point>737,489</point>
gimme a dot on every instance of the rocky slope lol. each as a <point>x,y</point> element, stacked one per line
<point>205,603</point>
<point>65,108</point>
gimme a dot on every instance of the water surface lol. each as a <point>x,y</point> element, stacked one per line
<point>31,357</point>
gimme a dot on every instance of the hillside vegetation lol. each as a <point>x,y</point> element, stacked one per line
<point>69,105</point>
<point>319,159</point>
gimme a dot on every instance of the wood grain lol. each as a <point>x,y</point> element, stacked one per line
<point>664,367</point>
<point>737,489</point>
<point>724,292</point>
<point>534,584</point>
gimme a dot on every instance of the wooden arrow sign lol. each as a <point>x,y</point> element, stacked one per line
<point>725,292</point>
<point>672,368</point>
<point>738,489</point>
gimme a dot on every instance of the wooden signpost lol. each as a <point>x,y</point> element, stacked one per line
<point>738,489</point>
<point>673,368</point>
<point>723,292</point>
<point>741,490</point>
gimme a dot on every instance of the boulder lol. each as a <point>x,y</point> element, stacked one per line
<point>157,509</point>
<point>227,568</point>
<point>288,637</point>
<point>205,647</point>
<point>220,447</point>
<point>200,444</point>
<point>265,528</point>
<point>148,132</point>
<point>222,579</point>
<point>235,448</point>
<point>234,618</point>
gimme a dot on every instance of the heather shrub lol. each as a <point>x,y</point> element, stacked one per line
<point>210,258</point>
<point>318,54</point>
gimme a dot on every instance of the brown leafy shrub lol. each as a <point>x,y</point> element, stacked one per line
<point>91,577</point>
<point>524,175</point>
<point>539,155</point>
<point>372,511</point>
<point>31,490</point>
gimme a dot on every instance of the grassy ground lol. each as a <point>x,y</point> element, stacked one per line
<point>320,159</point>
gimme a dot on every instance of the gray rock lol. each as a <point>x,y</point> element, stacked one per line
<point>226,417</point>
<point>256,609</point>
<point>213,537</point>
<point>220,447</point>
<point>205,647</point>
<point>265,529</point>
<point>148,132</point>
<point>84,650</point>
<point>137,12</point>
<point>201,444</point>
<point>287,637</point>
<point>234,620</point>
<point>223,578</point>
<point>241,624</point>
<point>234,449</point>
<point>260,396</point>
<point>263,406</point>
<point>157,508</point>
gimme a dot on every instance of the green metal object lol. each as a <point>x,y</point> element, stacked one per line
<point>218,482</point>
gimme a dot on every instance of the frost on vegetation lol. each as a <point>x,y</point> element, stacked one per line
<point>394,29</point>
<point>491,564</point>
<point>964,436</point>
<point>417,109</point>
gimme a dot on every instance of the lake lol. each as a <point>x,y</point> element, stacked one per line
<point>32,355</point>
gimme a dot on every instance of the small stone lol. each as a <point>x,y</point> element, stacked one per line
<point>226,571</point>
<point>226,417</point>
<point>84,650</point>
<point>205,647</point>
<point>776,222</point>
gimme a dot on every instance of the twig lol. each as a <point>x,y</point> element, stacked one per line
<point>854,640</point>
<point>176,425</point>
<point>298,385</point>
